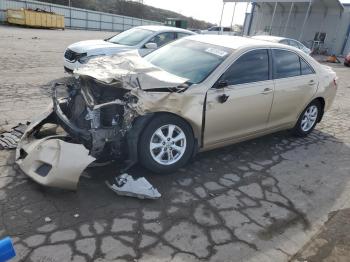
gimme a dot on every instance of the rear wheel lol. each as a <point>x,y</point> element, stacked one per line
<point>308,119</point>
<point>166,144</point>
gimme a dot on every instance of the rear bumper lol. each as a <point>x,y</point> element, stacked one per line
<point>51,161</point>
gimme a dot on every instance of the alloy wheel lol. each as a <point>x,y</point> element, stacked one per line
<point>309,118</point>
<point>168,144</point>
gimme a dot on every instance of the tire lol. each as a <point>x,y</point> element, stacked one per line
<point>170,152</point>
<point>308,119</point>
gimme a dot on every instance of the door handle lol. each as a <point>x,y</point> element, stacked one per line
<point>312,82</point>
<point>266,91</point>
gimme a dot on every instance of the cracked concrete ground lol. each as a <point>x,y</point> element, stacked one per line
<point>260,200</point>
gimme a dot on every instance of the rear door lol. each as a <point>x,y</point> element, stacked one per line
<point>295,84</point>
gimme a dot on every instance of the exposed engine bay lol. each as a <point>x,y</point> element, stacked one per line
<point>98,116</point>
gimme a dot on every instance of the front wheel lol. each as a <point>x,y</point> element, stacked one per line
<point>166,144</point>
<point>308,119</point>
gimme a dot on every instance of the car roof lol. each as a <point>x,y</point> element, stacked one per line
<point>233,42</point>
<point>162,28</point>
<point>270,38</point>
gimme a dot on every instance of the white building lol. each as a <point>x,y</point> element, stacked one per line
<point>322,23</point>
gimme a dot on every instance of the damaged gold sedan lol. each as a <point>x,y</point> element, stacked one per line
<point>195,94</point>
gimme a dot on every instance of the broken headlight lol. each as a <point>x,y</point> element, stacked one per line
<point>85,59</point>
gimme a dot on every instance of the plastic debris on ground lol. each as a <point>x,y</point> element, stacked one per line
<point>126,185</point>
<point>10,139</point>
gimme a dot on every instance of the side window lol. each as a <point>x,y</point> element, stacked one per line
<point>250,67</point>
<point>227,29</point>
<point>181,35</point>
<point>285,64</point>
<point>163,38</point>
<point>306,69</point>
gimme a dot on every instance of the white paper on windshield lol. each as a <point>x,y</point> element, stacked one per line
<point>216,52</point>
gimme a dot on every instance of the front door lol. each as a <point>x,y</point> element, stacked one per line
<point>242,107</point>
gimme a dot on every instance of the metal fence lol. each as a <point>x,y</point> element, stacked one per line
<point>77,18</point>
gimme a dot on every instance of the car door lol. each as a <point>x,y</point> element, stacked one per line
<point>160,39</point>
<point>241,107</point>
<point>295,85</point>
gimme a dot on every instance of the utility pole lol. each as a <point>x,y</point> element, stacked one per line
<point>70,13</point>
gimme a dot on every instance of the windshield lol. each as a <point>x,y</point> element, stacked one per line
<point>131,37</point>
<point>189,59</point>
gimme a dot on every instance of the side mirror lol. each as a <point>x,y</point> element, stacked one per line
<point>151,46</point>
<point>221,84</point>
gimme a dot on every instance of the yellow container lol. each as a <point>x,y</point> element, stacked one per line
<point>35,19</point>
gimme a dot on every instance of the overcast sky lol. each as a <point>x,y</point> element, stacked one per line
<point>207,10</point>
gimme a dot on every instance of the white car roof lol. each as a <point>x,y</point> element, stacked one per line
<point>162,28</point>
<point>270,38</point>
<point>233,42</point>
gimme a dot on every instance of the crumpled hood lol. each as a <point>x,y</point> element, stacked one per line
<point>95,45</point>
<point>130,69</point>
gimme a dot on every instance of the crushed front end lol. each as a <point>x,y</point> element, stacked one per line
<point>93,120</point>
<point>97,117</point>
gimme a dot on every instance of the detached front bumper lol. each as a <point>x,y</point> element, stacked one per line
<point>51,161</point>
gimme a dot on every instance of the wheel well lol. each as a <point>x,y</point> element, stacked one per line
<point>168,113</point>
<point>139,125</point>
<point>322,103</point>
<point>196,145</point>
<point>195,133</point>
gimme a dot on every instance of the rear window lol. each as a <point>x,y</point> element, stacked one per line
<point>306,69</point>
<point>285,64</point>
<point>289,64</point>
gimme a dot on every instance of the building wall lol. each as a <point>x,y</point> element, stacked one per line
<point>329,20</point>
<point>78,18</point>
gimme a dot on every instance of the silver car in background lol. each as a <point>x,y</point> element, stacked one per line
<point>285,41</point>
<point>145,39</point>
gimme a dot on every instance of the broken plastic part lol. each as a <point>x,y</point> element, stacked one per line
<point>54,162</point>
<point>126,185</point>
<point>9,140</point>
<point>51,161</point>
